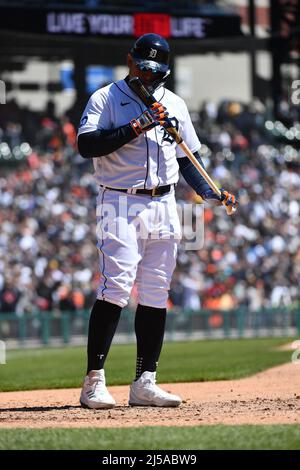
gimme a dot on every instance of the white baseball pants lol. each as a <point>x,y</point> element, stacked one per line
<point>137,239</point>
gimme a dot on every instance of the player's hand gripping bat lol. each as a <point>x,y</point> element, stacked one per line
<point>141,91</point>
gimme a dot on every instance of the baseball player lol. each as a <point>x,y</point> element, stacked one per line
<point>137,166</point>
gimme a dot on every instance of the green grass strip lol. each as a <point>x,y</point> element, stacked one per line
<point>281,437</point>
<point>192,361</point>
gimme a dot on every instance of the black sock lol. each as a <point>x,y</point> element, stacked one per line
<point>103,322</point>
<point>149,329</point>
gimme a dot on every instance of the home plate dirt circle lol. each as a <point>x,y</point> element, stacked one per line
<point>270,397</point>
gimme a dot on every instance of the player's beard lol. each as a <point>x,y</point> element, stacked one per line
<point>157,83</point>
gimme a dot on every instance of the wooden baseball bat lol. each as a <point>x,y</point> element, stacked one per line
<point>136,85</point>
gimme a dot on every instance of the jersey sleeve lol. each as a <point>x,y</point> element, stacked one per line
<point>187,132</point>
<point>96,114</point>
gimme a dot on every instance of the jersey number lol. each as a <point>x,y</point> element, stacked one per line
<point>167,137</point>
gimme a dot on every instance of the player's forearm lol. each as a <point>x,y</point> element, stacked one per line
<point>192,175</point>
<point>103,142</point>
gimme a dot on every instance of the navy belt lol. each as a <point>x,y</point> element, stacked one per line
<point>159,191</point>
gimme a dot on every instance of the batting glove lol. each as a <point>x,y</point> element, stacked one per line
<point>159,114</point>
<point>156,115</point>
<point>143,123</point>
<point>228,199</point>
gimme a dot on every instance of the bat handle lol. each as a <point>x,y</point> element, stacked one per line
<point>173,132</point>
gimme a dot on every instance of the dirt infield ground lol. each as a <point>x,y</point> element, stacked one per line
<point>270,397</point>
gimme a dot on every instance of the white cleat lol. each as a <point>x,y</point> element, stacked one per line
<point>94,393</point>
<point>144,392</point>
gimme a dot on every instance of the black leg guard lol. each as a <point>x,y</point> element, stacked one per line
<point>149,329</point>
<point>104,320</point>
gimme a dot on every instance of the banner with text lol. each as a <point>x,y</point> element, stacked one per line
<point>127,25</point>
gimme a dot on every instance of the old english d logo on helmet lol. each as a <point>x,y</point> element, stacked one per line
<point>152,53</point>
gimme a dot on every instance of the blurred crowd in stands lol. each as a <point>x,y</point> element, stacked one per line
<point>48,257</point>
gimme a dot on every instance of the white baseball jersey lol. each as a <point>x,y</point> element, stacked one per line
<point>149,160</point>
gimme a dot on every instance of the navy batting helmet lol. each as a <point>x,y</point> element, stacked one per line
<point>151,52</point>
